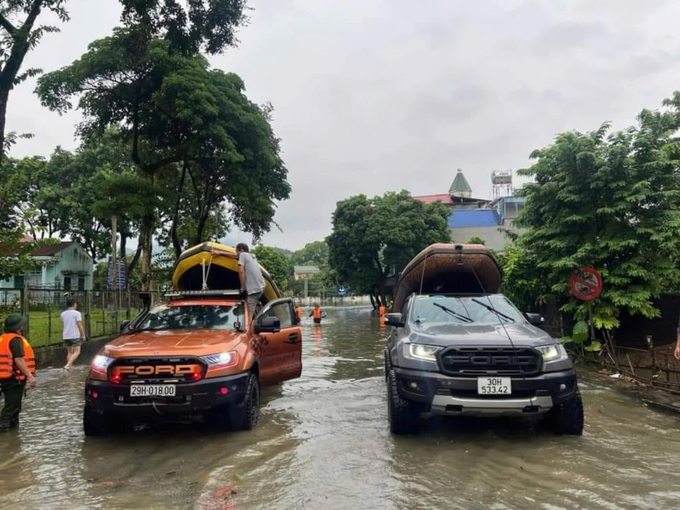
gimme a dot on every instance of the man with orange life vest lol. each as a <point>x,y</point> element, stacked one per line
<point>17,367</point>
<point>318,314</point>
<point>298,313</point>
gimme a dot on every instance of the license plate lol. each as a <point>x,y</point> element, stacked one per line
<point>494,385</point>
<point>152,390</point>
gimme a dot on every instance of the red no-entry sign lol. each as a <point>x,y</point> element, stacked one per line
<point>585,284</point>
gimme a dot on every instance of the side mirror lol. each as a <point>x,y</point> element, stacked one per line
<point>535,319</point>
<point>124,325</point>
<point>394,319</point>
<point>267,325</point>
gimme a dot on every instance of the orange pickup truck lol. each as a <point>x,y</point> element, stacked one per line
<point>197,354</point>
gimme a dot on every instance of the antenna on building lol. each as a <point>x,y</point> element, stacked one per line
<point>501,181</point>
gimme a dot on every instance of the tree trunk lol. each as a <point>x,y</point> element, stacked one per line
<point>174,237</point>
<point>123,244</point>
<point>135,259</point>
<point>4,97</point>
<point>146,241</point>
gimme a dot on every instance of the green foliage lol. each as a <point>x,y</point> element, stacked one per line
<point>476,240</point>
<point>611,201</point>
<point>14,255</point>
<point>191,132</point>
<point>313,254</point>
<point>188,26</point>
<point>373,238</point>
<point>276,263</point>
<point>19,34</point>
<point>522,282</point>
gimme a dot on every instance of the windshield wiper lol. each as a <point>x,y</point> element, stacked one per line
<point>455,314</point>
<point>492,309</point>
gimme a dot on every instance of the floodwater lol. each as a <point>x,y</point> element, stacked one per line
<point>323,443</point>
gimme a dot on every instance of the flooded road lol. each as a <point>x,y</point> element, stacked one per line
<point>323,443</point>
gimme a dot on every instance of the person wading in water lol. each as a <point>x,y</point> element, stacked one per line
<point>17,368</point>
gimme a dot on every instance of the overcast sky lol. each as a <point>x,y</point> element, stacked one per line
<point>380,95</point>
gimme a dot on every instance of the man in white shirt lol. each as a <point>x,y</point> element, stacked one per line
<point>73,333</point>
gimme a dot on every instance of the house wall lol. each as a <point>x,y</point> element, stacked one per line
<point>74,263</point>
<point>492,236</point>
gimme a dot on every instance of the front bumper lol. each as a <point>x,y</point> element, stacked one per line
<point>442,394</point>
<point>190,398</point>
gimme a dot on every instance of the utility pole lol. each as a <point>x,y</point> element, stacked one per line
<point>114,261</point>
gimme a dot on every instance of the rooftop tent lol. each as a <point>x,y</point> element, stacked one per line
<point>449,269</point>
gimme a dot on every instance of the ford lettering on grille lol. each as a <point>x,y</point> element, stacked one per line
<point>474,361</point>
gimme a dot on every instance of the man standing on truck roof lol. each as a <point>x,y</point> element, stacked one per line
<point>250,274</point>
<point>17,367</point>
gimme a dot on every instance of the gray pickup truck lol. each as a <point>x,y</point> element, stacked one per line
<point>473,353</point>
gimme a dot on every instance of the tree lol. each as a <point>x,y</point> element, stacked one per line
<point>177,115</point>
<point>373,238</point>
<point>276,264</point>
<point>18,35</point>
<point>313,254</point>
<point>476,240</point>
<point>201,25</point>
<point>611,201</point>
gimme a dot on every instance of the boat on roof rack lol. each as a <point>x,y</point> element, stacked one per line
<point>448,268</point>
<point>196,268</point>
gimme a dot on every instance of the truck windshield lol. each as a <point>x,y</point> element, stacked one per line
<point>220,317</point>
<point>435,309</point>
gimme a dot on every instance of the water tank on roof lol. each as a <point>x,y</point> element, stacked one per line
<point>501,177</point>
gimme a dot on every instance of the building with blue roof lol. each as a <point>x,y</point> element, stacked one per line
<point>475,217</point>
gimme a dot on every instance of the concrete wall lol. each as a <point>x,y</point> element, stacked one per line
<point>492,236</point>
<point>55,355</point>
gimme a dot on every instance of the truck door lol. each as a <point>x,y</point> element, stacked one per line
<point>281,352</point>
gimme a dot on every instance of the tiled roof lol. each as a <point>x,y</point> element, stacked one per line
<point>431,199</point>
<point>43,251</point>
<point>49,250</point>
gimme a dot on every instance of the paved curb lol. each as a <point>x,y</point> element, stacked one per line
<point>55,355</point>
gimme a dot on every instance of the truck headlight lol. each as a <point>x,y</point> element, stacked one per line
<point>100,363</point>
<point>424,352</point>
<point>222,359</point>
<point>552,352</point>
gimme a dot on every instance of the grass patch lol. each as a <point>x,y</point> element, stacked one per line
<point>44,327</point>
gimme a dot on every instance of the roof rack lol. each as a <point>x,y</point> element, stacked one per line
<point>202,293</point>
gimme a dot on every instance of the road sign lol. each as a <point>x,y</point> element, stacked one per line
<point>585,284</point>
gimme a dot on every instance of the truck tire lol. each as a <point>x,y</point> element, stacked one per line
<point>404,416</point>
<point>567,418</point>
<point>96,423</point>
<point>388,364</point>
<point>244,416</point>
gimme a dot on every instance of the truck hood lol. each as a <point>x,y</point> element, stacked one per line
<point>524,335</point>
<point>168,343</point>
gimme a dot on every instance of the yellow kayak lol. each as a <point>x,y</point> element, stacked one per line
<point>221,272</point>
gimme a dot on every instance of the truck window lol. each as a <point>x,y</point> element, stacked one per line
<point>218,317</point>
<point>284,312</point>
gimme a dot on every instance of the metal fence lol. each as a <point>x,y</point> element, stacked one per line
<point>102,311</point>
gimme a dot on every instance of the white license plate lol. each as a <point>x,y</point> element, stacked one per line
<point>152,390</point>
<point>494,385</point>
